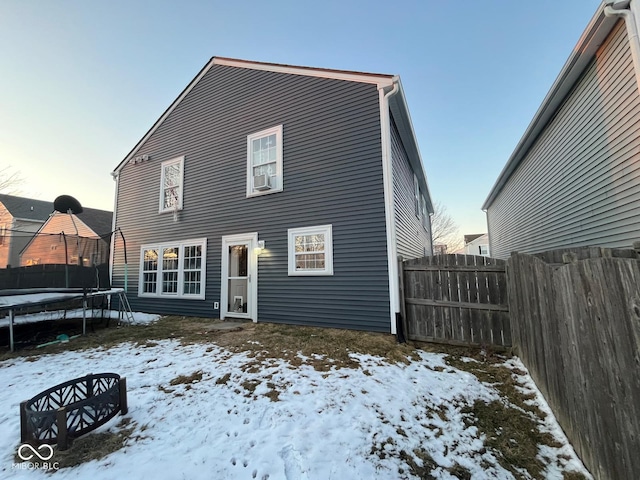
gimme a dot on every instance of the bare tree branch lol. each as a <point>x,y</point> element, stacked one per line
<point>444,229</point>
<point>9,181</point>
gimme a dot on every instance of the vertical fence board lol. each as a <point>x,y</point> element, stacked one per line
<point>454,296</point>
<point>465,314</point>
<point>577,329</point>
<point>452,299</point>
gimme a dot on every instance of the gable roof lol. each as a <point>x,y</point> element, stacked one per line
<point>27,208</point>
<point>397,103</point>
<point>91,223</point>
<point>68,223</point>
<point>592,38</point>
<point>470,238</point>
<point>97,220</point>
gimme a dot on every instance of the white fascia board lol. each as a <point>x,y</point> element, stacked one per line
<point>380,80</point>
<point>162,118</point>
<point>592,38</point>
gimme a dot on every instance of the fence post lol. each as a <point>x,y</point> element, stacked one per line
<point>11,343</point>
<point>90,385</point>
<point>124,407</point>
<point>63,434</point>
<point>84,312</point>
<point>23,422</point>
<point>403,310</point>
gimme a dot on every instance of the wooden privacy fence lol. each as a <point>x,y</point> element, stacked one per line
<point>576,326</point>
<point>455,299</point>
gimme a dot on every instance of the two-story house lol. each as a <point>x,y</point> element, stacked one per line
<point>275,193</point>
<point>573,180</point>
<point>73,239</point>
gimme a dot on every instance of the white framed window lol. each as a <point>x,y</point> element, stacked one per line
<point>416,194</point>
<point>423,212</point>
<point>171,185</point>
<point>264,162</point>
<point>173,269</point>
<point>311,250</point>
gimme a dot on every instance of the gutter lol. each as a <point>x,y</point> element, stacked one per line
<point>630,11</point>
<point>387,178</point>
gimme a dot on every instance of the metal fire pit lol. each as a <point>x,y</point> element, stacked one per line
<point>71,409</point>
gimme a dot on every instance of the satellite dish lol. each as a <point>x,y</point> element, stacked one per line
<point>66,203</point>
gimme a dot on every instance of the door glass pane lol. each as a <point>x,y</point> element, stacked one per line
<point>238,255</point>
<point>237,295</point>
<point>238,281</point>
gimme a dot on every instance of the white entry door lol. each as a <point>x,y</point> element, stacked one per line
<point>239,290</point>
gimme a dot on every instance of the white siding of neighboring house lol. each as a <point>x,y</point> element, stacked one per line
<point>17,233</point>
<point>579,183</point>
<point>479,246</point>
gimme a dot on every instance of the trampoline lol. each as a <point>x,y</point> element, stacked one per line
<point>11,300</point>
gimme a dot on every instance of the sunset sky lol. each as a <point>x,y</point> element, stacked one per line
<point>82,81</point>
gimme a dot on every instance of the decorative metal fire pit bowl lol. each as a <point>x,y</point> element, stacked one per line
<point>71,409</point>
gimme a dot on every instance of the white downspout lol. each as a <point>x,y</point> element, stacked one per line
<point>387,178</point>
<point>631,16</point>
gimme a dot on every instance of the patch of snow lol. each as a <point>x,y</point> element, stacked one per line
<point>139,318</point>
<point>556,459</point>
<point>349,423</point>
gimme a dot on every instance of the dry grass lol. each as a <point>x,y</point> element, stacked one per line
<point>323,348</point>
<point>510,428</point>
<point>95,446</point>
<point>187,379</point>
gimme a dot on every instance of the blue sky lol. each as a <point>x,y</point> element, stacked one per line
<point>82,81</point>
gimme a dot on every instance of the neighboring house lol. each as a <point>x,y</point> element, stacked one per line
<point>476,244</point>
<point>274,193</point>
<point>574,177</point>
<point>67,238</point>
<point>439,249</point>
<point>20,218</point>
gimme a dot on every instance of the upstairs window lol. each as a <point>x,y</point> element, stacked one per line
<point>171,185</point>
<point>264,162</point>
<point>416,195</point>
<point>311,251</point>
<point>425,214</point>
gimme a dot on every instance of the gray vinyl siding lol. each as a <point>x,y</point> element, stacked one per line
<point>412,238</point>
<point>580,182</point>
<point>332,174</point>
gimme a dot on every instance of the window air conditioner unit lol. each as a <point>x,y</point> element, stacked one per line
<point>262,182</point>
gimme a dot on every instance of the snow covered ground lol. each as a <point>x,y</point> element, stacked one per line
<point>266,419</point>
<point>52,315</point>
